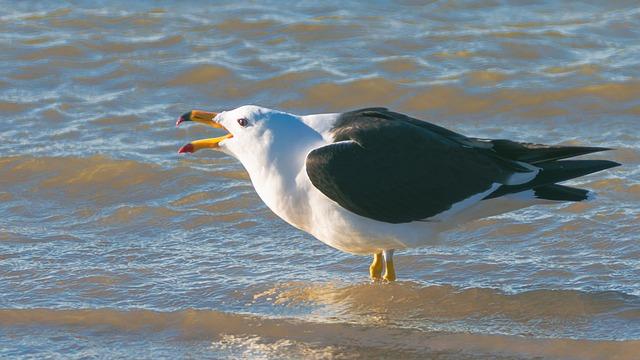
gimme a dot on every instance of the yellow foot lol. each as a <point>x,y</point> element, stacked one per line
<point>375,270</point>
<point>390,272</point>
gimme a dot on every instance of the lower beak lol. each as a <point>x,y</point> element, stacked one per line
<point>206,118</point>
<point>211,143</point>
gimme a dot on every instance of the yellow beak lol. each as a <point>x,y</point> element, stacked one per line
<point>206,118</point>
<point>200,116</point>
<point>211,143</point>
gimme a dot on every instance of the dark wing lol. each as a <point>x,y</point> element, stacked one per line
<point>393,170</point>
<point>533,153</point>
<point>507,149</point>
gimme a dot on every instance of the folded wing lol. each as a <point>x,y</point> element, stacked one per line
<point>393,170</point>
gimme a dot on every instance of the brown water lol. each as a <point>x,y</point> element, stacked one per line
<point>112,245</point>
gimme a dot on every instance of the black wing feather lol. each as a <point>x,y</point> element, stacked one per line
<point>392,170</point>
<point>539,153</point>
<point>556,171</point>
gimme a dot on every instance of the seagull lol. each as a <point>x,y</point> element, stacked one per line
<point>371,181</point>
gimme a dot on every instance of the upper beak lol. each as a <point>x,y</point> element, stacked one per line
<point>206,118</point>
<point>200,116</point>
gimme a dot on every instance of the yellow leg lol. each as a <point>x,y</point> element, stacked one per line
<point>389,270</point>
<point>375,270</point>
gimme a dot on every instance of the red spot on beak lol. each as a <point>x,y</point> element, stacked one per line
<point>186,149</point>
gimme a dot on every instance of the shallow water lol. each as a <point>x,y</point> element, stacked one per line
<point>112,245</point>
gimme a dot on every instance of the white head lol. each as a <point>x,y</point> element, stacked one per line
<point>260,138</point>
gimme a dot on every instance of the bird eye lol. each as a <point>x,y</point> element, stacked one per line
<point>243,122</point>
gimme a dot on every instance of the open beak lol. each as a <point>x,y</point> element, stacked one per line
<point>206,118</point>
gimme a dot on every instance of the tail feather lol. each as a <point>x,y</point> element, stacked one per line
<point>556,171</point>
<point>560,193</point>
<point>538,153</point>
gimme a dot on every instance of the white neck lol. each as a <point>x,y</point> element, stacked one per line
<point>279,174</point>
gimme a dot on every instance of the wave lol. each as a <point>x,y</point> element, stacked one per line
<point>99,192</point>
<point>283,335</point>
<point>348,95</point>
<point>65,51</point>
<point>456,100</point>
<point>122,47</point>
<point>10,106</point>
<point>408,300</point>
<point>97,177</point>
<point>201,74</point>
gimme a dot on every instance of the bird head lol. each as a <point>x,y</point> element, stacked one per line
<point>256,136</point>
